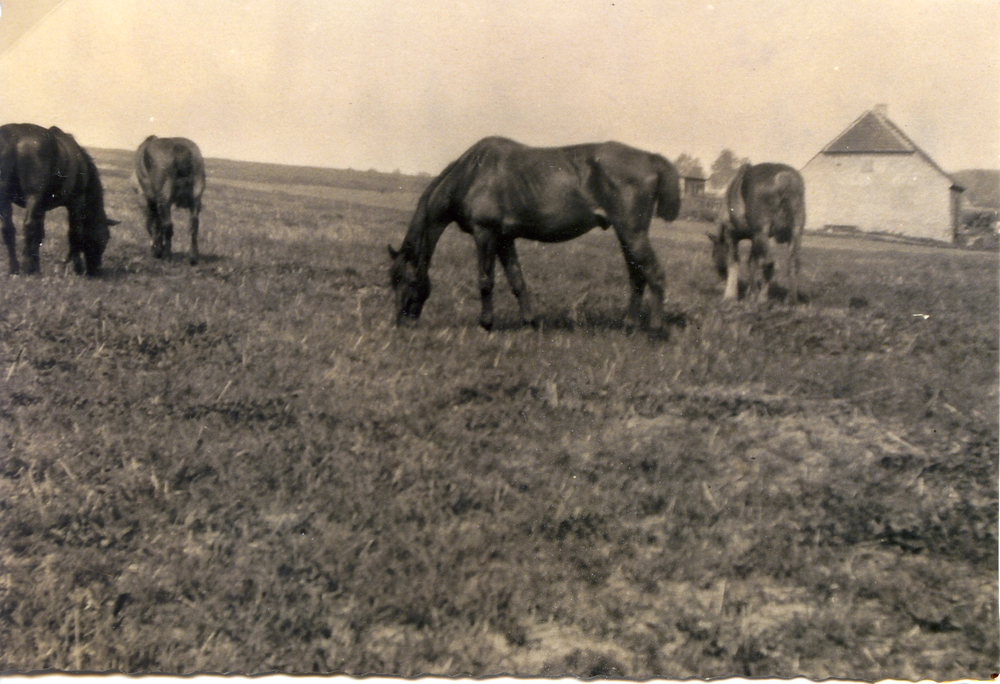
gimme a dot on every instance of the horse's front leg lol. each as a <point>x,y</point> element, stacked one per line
<point>512,267</point>
<point>794,266</point>
<point>486,250</point>
<point>761,268</point>
<point>76,243</point>
<point>9,236</point>
<point>732,290</point>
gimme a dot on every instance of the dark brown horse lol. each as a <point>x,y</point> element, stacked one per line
<point>169,171</point>
<point>42,169</point>
<point>500,190</point>
<point>763,202</point>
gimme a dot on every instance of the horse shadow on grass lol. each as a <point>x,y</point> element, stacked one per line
<point>597,321</point>
<point>776,293</point>
<point>135,262</point>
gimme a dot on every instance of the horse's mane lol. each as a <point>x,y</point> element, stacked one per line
<point>435,206</point>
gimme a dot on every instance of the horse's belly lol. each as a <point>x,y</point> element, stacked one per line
<point>554,228</point>
<point>782,233</point>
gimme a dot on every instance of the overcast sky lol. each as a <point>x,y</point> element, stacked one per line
<point>393,84</point>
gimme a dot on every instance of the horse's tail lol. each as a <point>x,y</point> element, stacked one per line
<point>791,190</point>
<point>668,189</point>
<point>7,160</point>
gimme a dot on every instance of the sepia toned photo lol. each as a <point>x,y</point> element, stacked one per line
<point>591,339</point>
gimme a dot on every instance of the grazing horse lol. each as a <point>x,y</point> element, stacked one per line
<point>42,169</point>
<point>763,202</point>
<point>500,190</point>
<point>169,171</point>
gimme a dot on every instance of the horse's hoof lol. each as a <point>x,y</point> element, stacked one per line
<point>661,333</point>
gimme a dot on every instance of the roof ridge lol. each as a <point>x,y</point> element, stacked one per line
<point>859,138</point>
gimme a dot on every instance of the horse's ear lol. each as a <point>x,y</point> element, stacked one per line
<point>113,222</point>
<point>392,253</point>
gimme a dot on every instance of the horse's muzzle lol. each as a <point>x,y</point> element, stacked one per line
<point>405,320</point>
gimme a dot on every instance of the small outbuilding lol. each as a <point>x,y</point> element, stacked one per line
<point>873,178</point>
<point>694,186</point>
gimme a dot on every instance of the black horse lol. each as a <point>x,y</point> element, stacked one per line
<point>763,202</point>
<point>42,169</point>
<point>500,190</point>
<point>169,171</point>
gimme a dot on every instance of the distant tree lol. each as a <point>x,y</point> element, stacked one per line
<point>982,187</point>
<point>689,166</point>
<point>724,169</point>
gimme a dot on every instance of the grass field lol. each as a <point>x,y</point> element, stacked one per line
<point>243,466</point>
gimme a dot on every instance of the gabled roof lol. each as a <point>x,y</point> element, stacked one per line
<point>874,133</point>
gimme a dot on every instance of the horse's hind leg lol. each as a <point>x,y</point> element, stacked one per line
<point>195,211</point>
<point>9,236</point>
<point>512,267</point>
<point>486,249</point>
<point>643,270</point>
<point>34,233</point>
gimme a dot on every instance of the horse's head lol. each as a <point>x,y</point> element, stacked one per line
<point>96,238</point>
<point>411,285</point>
<point>720,250</point>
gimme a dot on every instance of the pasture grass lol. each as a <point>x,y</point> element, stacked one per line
<point>243,466</point>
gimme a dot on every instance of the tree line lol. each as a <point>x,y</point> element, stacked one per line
<point>724,168</point>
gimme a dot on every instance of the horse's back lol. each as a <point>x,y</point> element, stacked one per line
<point>36,161</point>
<point>170,170</point>
<point>539,193</point>
<point>767,196</point>
<point>779,179</point>
<point>523,179</point>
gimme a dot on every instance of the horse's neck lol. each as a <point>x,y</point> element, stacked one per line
<point>421,240</point>
<point>428,223</point>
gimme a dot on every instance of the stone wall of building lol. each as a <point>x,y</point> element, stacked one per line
<point>892,193</point>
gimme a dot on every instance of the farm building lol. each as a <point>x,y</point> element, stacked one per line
<point>694,186</point>
<point>873,178</point>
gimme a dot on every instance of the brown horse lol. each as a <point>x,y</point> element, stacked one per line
<point>500,190</point>
<point>42,169</point>
<point>169,171</point>
<point>763,202</point>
